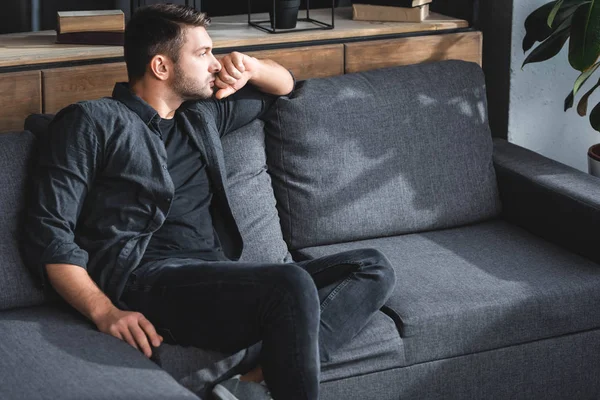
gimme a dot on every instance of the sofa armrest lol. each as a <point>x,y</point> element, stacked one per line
<point>551,200</point>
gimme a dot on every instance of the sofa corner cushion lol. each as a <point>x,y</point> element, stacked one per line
<point>251,195</point>
<point>17,287</point>
<point>382,152</point>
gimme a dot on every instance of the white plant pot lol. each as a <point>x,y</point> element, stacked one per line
<point>594,160</point>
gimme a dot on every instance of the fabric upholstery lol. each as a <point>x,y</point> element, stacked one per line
<point>251,195</point>
<point>51,353</point>
<point>17,287</point>
<point>550,199</point>
<point>563,367</point>
<point>377,347</point>
<point>353,157</point>
<point>481,287</point>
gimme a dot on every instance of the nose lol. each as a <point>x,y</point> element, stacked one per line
<point>216,65</point>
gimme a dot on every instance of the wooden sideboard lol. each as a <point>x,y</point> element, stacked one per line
<point>37,75</point>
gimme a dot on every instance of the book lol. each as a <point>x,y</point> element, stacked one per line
<point>97,38</point>
<point>88,21</point>
<point>368,12</point>
<point>395,3</point>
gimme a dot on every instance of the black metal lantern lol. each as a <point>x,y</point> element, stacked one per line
<point>283,17</point>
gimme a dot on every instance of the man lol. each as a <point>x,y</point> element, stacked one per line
<point>130,221</point>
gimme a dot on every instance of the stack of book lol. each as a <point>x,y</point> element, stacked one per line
<point>391,10</point>
<point>103,27</point>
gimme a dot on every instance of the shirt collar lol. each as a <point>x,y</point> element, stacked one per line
<point>122,93</point>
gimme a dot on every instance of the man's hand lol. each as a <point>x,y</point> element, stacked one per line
<point>75,286</point>
<point>132,327</point>
<point>236,71</point>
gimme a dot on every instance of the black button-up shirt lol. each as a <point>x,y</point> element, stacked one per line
<point>102,187</point>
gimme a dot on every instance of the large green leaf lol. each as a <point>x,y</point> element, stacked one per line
<point>584,47</point>
<point>551,46</point>
<point>536,26</point>
<point>554,11</point>
<point>595,117</point>
<point>580,81</point>
<point>583,103</point>
<point>562,10</point>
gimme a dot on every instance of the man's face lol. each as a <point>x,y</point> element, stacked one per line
<point>195,71</point>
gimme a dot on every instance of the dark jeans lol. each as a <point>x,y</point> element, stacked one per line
<point>228,306</point>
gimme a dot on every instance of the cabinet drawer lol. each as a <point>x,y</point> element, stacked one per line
<point>308,62</point>
<point>20,96</point>
<point>64,86</point>
<point>374,54</point>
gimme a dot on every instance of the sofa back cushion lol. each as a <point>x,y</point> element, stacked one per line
<point>251,195</point>
<point>382,152</point>
<point>17,287</point>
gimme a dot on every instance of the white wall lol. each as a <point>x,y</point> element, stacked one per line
<point>536,118</point>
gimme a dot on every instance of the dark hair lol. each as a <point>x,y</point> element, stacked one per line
<point>157,29</point>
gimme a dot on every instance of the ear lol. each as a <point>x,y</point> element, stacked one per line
<point>161,67</point>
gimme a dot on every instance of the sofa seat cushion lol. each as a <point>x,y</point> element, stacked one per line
<point>47,352</point>
<point>382,152</point>
<point>481,287</point>
<point>377,347</point>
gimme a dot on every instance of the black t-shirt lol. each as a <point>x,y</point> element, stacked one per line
<point>188,231</point>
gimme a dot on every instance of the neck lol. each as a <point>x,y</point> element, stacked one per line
<point>162,99</point>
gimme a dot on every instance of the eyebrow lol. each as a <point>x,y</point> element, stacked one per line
<point>204,48</point>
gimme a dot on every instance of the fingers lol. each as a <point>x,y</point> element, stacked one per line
<point>150,332</point>
<point>234,70</point>
<point>126,336</point>
<point>135,329</point>
<point>233,74</point>
<point>222,93</point>
<point>224,89</point>
<point>141,339</point>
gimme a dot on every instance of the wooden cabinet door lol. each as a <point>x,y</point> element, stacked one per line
<point>64,86</point>
<point>362,56</point>
<point>20,95</point>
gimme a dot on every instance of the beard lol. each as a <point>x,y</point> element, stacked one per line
<point>189,89</point>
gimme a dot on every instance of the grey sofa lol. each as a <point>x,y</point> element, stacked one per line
<point>494,246</point>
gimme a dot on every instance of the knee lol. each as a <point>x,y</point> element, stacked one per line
<point>377,265</point>
<point>374,257</point>
<point>297,283</point>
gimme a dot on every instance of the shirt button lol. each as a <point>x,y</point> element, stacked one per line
<point>164,166</point>
<point>168,199</point>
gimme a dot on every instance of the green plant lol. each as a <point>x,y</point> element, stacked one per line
<point>555,22</point>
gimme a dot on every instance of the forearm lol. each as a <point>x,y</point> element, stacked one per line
<point>74,284</point>
<point>272,78</point>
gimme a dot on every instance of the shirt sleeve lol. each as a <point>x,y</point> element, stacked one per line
<point>67,160</point>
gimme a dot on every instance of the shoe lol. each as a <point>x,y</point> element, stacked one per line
<point>234,389</point>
